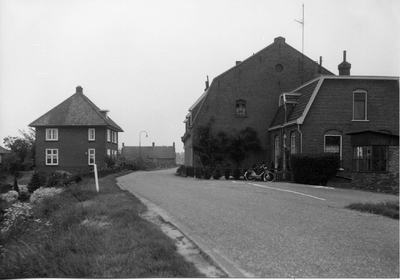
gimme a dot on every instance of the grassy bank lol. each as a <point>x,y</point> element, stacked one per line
<point>389,209</point>
<point>83,234</point>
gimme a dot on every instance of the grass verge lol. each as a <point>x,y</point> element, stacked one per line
<point>84,234</point>
<point>389,209</point>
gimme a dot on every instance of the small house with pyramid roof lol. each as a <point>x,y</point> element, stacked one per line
<point>75,135</point>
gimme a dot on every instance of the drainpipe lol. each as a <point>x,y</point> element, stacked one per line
<point>301,138</point>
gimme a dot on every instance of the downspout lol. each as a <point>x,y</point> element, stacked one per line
<point>301,138</point>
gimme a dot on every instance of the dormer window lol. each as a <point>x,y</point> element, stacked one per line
<point>240,108</point>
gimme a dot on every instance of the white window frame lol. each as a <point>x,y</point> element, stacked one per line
<point>341,146</point>
<point>53,155</point>
<point>51,134</point>
<point>108,135</point>
<point>92,134</point>
<point>91,155</point>
<point>365,105</point>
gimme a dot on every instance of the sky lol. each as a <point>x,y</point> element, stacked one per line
<point>147,60</point>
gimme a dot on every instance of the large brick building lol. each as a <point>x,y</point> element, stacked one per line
<point>356,117</point>
<point>75,135</point>
<point>246,95</point>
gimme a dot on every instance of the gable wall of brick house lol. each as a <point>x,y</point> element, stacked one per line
<point>73,145</point>
<point>259,81</point>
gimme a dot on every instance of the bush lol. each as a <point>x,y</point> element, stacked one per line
<point>16,188</point>
<point>217,173</point>
<point>180,171</point>
<point>314,169</point>
<point>198,172</point>
<point>189,171</point>
<point>227,174</point>
<point>236,174</point>
<point>10,197</point>
<point>207,173</point>
<point>35,182</point>
<point>42,193</point>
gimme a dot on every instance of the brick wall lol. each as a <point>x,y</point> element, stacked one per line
<point>73,145</point>
<point>259,81</point>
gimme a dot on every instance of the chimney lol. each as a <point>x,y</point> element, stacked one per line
<point>79,89</point>
<point>207,83</point>
<point>344,67</point>
<point>173,144</point>
<point>123,144</point>
<point>154,144</point>
<point>320,65</point>
<point>104,112</point>
<point>238,62</point>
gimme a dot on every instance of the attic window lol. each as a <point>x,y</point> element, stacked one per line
<point>240,108</point>
<point>279,68</point>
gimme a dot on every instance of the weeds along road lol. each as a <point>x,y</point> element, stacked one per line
<point>278,229</point>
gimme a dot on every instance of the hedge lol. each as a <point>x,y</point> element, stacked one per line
<point>314,169</point>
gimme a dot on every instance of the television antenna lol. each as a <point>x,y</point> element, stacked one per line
<point>302,26</point>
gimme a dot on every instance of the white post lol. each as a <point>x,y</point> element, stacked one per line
<point>96,178</point>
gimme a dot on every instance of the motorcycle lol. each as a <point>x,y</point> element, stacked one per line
<point>266,175</point>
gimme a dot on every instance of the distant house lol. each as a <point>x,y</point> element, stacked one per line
<point>159,155</point>
<point>74,135</point>
<point>245,96</point>
<point>356,117</point>
<point>3,152</point>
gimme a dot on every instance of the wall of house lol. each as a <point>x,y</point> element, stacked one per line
<point>333,109</point>
<point>73,144</point>
<point>259,81</point>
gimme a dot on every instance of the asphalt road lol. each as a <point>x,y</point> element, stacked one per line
<point>278,229</point>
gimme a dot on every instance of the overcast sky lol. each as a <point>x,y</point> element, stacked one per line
<point>147,61</point>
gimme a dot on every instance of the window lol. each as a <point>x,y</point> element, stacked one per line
<point>51,134</point>
<point>91,154</point>
<point>92,134</point>
<point>240,108</point>
<point>333,142</point>
<point>51,157</point>
<point>293,143</point>
<point>360,105</point>
<point>370,158</point>
<point>108,135</point>
<point>114,137</point>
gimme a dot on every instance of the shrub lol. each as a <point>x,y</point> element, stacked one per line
<point>180,171</point>
<point>236,174</point>
<point>314,169</point>
<point>16,188</point>
<point>207,173</point>
<point>217,173</point>
<point>10,197</point>
<point>41,193</point>
<point>189,171</point>
<point>35,182</point>
<point>227,173</point>
<point>198,172</point>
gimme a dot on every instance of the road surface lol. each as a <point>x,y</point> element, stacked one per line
<point>278,229</point>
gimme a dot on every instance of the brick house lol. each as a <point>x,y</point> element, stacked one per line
<point>75,135</point>
<point>245,95</point>
<point>159,155</point>
<point>356,117</point>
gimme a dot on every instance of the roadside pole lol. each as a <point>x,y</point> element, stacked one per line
<point>96,178</point>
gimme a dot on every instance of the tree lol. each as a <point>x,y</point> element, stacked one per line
<point>23,147</point>
<point>242,143</point>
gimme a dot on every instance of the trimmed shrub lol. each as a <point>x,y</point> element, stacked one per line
<point>180,171</point>
<point>16,188</point>
<point>189,171</point>
<point>236,174</point>
<point>35,182</point>
<point>41,193</point>
<point>199,172</point>
<point>227,173</point>
<point>314,169</point>
<point>207,173</point>
<point>217,173</point>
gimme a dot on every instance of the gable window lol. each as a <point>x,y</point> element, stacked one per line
<point>370,158</point>
<point>91,156</point>
<point>240,108</point>
<point>92,134</point>
<point>333,142</point>
<point>51,134</point>
<point>360,105</point>
<point>293,143</point>
<point>51,156</point>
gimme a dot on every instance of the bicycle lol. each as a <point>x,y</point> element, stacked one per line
<point>266,175</point>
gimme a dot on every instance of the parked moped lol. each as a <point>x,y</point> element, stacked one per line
<point>266,175</point>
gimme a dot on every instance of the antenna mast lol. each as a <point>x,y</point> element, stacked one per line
<point>302,25</point>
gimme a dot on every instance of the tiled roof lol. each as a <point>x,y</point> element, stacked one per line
<point>4,150</point>
<point>306,93</point>
<point>77,110</point>
<point>153,152</point>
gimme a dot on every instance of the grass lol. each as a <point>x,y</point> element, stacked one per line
<point>83,234</point>
<point>389,209</point>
